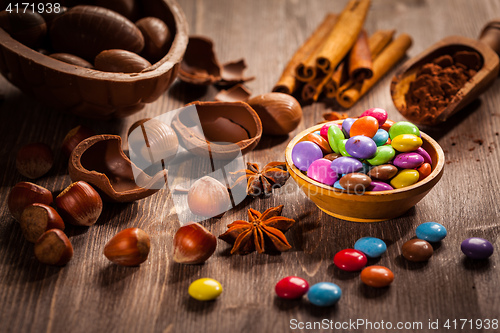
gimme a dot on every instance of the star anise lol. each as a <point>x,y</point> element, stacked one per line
<point>264,232</point>
<point>274,175</point>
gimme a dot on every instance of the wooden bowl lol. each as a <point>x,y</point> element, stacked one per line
<point>372,206</point>
<point>91,93</point>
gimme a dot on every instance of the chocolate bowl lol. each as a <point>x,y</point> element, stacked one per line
<point>91,93</point>
<point>372,206</point>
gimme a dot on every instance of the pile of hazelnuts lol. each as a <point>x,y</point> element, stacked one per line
<point>91,36</point>
<point>42,219</point>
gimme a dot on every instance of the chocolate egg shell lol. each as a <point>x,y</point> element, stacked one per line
<point>88,30</point>
<point>120,61</point>
<point>212,117</point>
<point>234,94</point>
<point>101,162</point>
<point>71,59</point>
<point>233,73</point>
<point>127,8</point>
<point>200,65</point>
<point>157,38</point>
<point>280,113</point>
<point>28,28</point>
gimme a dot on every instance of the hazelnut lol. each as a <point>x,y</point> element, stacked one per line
<point>129,247</point>
<point>34,160</point>
<point>53,248</point>
<point>79,204</point>
<point>74,137</point>
<point>24,194</point>
<point>193,244</point>
<point>38,218</point>
<point>207,197</point>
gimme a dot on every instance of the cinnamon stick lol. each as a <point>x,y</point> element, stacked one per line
<point>287,83</point>
<point>313,89</point>
<point>352,91</point>
<point>379,40</point>
<point>343,36</point>
<point>339,76</point>
<point>360,59</point>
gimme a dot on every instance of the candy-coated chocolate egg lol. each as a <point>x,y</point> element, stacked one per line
<point>366,126</point>
<point>408,160</point>
<point>383,154</point>
<point>387,125</point>
<point>291,287</point>
<point>324,130</point>
<point>425,155</point>
<point>424,170</point>
<point>405,178</point>
<point>403,127</point>
<point>205,289</point>
<point>324,294</point>
<point>341,147</point>
<point>321,172</point>
<point>381,137</point>
<point>320,141</point>
<point>477,248</point>
<point>379,186</point>
<point>346,126</point>
<point>377,113</point>
<point>383,171</point>
<point>304,153</point>
<point>377,276</point>
<point>332,156</point>
<point>338,186</point>
<point>355,182</point>
<point>417,250</point>
<point>431,231</point>
<point>360,146</point>
<point>350,260</point>
<point>334,136</point>
<point>346,165</point>
<point>406,142</point>
<point>372,247</point>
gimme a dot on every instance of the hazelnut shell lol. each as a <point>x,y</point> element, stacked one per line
<point>53,248</point>
<point>38,218</point>
<point>129,247</point>
<point>24,194</point>
<point>34,160</point>
<point>193,244</point>
<point>79,204</point>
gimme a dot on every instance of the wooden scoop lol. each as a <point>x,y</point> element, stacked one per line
<point>487,47</point>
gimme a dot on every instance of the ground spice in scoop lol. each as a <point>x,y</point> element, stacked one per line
<point>438,82</point>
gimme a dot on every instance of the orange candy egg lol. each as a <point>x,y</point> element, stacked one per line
<point>367,126</point>
<point>377,276</point>
<point>424,170</point>
<point>388,123</point>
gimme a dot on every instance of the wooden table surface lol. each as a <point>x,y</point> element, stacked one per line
<point>92,295</point>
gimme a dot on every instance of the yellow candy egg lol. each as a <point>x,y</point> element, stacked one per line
<point>406,142</point>
<point>205,289</point>
<point>404,178</point>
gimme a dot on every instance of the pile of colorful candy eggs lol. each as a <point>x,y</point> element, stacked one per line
<point>370,153</point>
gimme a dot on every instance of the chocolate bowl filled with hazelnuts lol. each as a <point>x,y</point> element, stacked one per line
<point>135,55</point>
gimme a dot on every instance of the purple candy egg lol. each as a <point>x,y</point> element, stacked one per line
<point>477,248</point>
<point>346,126</point>
<point>377,113</point>
<point>345,164</point>
<point>304,153</point>
<point>361,146</point>
<point>321,172</point>
<point>427,158</point>
<point>379,186</point>
<point>408,160</point>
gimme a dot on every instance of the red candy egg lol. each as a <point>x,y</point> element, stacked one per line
<point>377,113</point>
<point>387,125</point>
<point>291,287</point>
<point>350,260</point>
<point>424,170</point>
<point>367,126</point>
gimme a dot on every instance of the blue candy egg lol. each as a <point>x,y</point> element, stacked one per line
<point>380,137</point>
<point>361,146</point>
<point>324,294</point>
<point>337,185</point>
<point>431,231</point>
<point>346,164</point>
<point>371,246</point>
<point>304,153</point>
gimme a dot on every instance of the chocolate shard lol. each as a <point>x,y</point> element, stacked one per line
<point>233,73</point>
<point>236,93</point>
<point>200,65</point>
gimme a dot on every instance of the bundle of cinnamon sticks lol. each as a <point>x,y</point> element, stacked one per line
<point>339,60</point>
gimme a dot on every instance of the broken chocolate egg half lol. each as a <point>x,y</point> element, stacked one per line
<point>101,162</point>
<point>200,65</point>
<point>227,128</point>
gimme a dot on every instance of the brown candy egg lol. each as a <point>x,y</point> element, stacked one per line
<point>355,182</point>
<point>417,250</point>
<point>383,172</point>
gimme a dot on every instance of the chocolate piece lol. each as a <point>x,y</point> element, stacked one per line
<point>28,28</point>
<point>71,59</point>
<point>120,61</point>
<point>88,30</point>
<point>200,65</point>
<point>127,8</point>
<point>233,72</point>
<point>157,38</point>
<point>241,114</point>
<point>236,93</point>
<point>224,130</point>
<point>49,17</point>
<point>101,162</point>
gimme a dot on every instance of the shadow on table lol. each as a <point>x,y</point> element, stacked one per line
<point>304,305</point>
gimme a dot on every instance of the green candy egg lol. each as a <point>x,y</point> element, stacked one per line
<point>403,127</point>
<point>341,147</point>
<point>383,155</point>
<point>334,136</point>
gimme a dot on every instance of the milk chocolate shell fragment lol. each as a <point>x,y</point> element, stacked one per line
<point>236,93</point>
<point>233,73</point>
<point>227,129</point>
<point>200,65</point>
<point>101,162</point>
